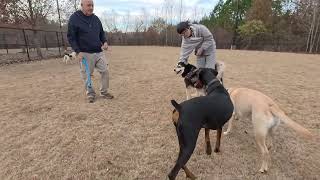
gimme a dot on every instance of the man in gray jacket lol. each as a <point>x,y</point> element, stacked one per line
<point>197,37</point>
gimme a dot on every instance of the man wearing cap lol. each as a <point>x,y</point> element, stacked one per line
<point>197,37</point>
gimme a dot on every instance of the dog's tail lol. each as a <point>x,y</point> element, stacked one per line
<point>176,105</point>
<point>220,67</point>
<point>284,118</point>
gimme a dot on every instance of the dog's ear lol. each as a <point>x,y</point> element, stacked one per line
<point>176,105</point>
<point>182,64</point>
<point>200,72</point>
<point>215,73</point>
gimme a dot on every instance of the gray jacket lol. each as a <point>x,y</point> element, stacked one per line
<point>201,38</point>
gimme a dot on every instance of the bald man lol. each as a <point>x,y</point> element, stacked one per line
<point>88,40</point>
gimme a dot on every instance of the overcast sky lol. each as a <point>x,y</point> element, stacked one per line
<point>155,7</point>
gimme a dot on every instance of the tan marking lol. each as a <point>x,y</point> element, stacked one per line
<point>175,116</point>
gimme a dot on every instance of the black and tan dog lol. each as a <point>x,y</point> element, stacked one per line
<point>210,112</point>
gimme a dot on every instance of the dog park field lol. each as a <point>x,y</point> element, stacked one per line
<point>49,131</point>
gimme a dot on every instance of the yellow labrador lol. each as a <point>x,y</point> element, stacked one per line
<point>265,115</point>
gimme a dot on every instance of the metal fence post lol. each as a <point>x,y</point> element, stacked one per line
<point>45,41</point>
<point>58,42</point>
<point>7,48</point>
<point>63,42</point>
<point>26,43</point>
<point>5,42</point>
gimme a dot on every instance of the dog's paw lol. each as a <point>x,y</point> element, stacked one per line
<point>192,177</point>
<point>208,150</point>
<point>170,177</point>
<point>216,150</point>
<point>263,170</point>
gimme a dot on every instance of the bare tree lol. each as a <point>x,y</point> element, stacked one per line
<point>126,23</point>
<point>261,10</point>
<point>110,20</point>
<point>9,13</point>
<point>67,7</point>
<point>166,10</point>
<point>159,25</point>
<point>35,12</point>
<point>145,19</point>
<point>138,24</point>
<point>4,12</point>
<point>313,37</point>
<point>195,13</point>
<point>180,10</point>
<point>76,4</point>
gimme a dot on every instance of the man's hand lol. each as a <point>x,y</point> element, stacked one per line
<point>199,52</point>
<point>79,56</point>
<point>104,46</point>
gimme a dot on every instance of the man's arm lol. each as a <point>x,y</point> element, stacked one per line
<point>102,35</point>
<point>186,50</point>
<point>72,36</point>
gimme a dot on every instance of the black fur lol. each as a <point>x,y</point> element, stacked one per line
<point>211,111</point>
<point>187,69</point>
<point>67,54</point>
<point>175,105</point>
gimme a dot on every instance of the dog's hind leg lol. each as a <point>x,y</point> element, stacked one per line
<point>229,124</point>
<point>184,156</point>
<point>217,148</point>
<point>260,139</point>
<point>272,131</point>
<point>189,174</point>
<point>207,139</point>
<point>188,94</point>
<point>261,132</point>
<point>187,142</point>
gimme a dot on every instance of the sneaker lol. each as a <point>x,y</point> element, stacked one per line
<point>91,99</point>
<point>107,96</point>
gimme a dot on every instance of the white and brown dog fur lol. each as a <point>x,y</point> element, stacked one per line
<point>184,69</point>
<point>265,114</point>
<point>68,58</point>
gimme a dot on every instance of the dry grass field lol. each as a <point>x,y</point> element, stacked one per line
<point>49,131</point>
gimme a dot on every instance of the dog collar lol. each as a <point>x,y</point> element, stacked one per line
<point>212,81</point>
<point>212,85</point>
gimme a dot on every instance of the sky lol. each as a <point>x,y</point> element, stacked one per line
<point>191,9</point>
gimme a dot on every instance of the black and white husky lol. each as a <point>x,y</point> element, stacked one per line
<point>185,69</point>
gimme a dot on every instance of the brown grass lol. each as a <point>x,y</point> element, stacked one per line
<point>49,131</point>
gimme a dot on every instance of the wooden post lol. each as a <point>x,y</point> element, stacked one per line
<point>26,43</point>
<point>58,42</point>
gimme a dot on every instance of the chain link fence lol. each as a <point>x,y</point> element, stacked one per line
<point>20,45</point>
